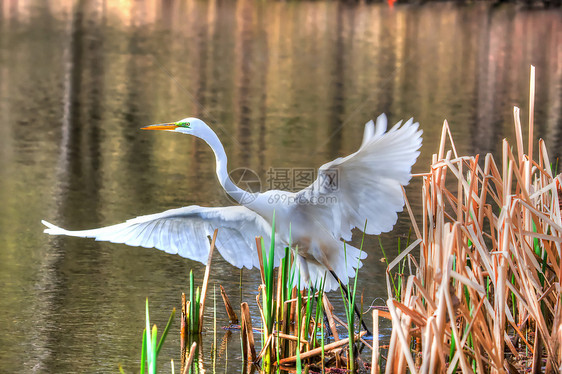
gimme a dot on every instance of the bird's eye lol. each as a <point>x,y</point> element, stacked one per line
<point>183,124</point>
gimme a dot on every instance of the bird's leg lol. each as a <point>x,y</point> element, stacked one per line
<point>346,291</point>
<point>327,330</point>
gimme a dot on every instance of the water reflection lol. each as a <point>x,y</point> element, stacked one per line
<point>283,84</point>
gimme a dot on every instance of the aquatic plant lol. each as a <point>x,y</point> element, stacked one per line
<point>151,346</point>
<point>268,311</point>
<point>484,295</point>
<point>291,318</point>
<point>349,306</point>
<point>193,309</point>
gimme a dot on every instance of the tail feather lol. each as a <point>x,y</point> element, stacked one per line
<point>54,230</point>
<point>340,268</point>
<point>349,262</point>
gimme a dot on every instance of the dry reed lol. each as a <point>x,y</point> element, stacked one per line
<point>485,295</point>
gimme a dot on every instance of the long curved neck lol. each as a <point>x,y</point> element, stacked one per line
<point>238,194</point>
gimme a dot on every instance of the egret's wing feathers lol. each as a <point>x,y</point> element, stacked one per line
<point>368,132</point>
<point>185,231</point>
<point>366,185</point>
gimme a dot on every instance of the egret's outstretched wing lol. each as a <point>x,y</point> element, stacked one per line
<point>185,231</point>
<point>366,185</point>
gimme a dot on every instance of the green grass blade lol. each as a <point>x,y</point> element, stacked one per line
<point>452,352</point>
<point>299,304</point>
<point>152,369</point>
<point>271,265</point>
<point>166,329</point>
<point>191,302</point>
<point>285,267</point>
<point>319,315</point>
<point>196,308</point>
<point>322,343</point>
<point>149,357</point>
<point>308,315</point>
<point>387,263</point>
<point>143,352</point>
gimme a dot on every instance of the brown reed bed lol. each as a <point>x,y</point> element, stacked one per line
<point>482,296</point>
<point>485,294</point>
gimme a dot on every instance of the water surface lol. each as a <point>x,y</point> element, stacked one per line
<point>285,85</point>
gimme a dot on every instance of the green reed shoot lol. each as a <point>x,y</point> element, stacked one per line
<point>287,280</point>
<point>349,304</point>
<point>308,311</point>
<point>396,289</point>
<point>150,349</point>
<point>319,313</point>
<point>287,283</point>
<point>322,338</point>
<point>267,294</point>
<point>288,274</point>
<point>194,306</point>
<point>399,274</point>
<point>298,327</point>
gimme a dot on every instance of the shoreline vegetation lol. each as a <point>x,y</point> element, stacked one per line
<point>527,3</point>
<point>483,295</point>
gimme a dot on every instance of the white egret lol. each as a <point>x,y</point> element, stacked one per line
<point>365,186</point>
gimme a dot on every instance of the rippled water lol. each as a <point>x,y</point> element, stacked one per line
<point>286,85</point>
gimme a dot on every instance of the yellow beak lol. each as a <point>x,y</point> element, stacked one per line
<point>161,126</point>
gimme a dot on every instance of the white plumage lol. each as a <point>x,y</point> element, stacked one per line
<point>365,186</point>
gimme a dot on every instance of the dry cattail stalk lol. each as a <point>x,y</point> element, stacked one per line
<point>486,293</point>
